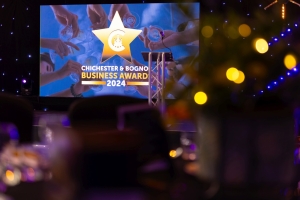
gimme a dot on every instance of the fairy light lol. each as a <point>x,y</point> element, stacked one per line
<point>15,20</point>
<point>279,81</point>
<point>283,11</point>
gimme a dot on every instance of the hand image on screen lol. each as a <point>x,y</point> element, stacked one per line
<point>73,50</point>
<point>75,90</point>
<point>92,60</point>
<point>97,16</point>
<point>61,48</point>
<point>153,40</point>
<point>129,20</point>
<point>66,18</point>
<point>79,88</point>
<point>48,73</point>
<point>152,34</point>
<point>176,38</point>
<point>70,67</point>
<point>144,38</point>
<point>46,64</point>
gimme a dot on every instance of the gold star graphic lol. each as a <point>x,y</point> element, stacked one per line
<point>116,39</point>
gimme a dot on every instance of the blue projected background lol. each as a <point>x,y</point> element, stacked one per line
<point>152,18</point>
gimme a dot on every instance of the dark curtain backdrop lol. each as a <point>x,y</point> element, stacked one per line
<point>19,43</point>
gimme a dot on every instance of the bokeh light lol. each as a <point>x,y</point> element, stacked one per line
<point>175,153</point>
<point>240,78</point>
<point>244,30</point>
<point>290,61</point>
<point>261,46</point>
<point>200,98</point>
<point>232,74</point>
<point>207,31</point>
<point>10,175</point>
<point>172,153</point>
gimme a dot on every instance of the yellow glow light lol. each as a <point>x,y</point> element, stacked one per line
<point>9,175</point>
<point>261,46</point>
<point>172,153</point>
<point>241,78</point>
<point>12,177</point>
<point>200,98</point>
<point>244,30</point>
<point>232,73</point>
<point>290,61</point>
<point>207,31</point>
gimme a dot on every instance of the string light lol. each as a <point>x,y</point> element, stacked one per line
<point>282,34</point>
<point>273,84</point>
<point>275,39</point>
<point>288,30</point>
<point>283,11</point>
